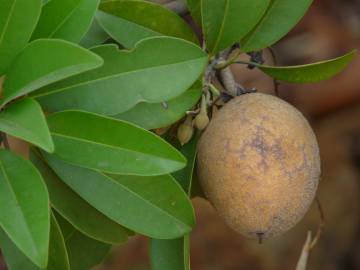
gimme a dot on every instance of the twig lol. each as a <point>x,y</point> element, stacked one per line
<point>226,75</point>
<point>245,63</point>
<point>5,140</point>
<point>209,73</point>
<point>321,224</point>
<point>311,242</point>
<point>230,61</point>
<point>256,57</point>
<point>228,80</point>
<point>273,55</point>
<point>275,82</point>
<point>178,7</point>
<point>302,262</point>
<point>193,112</point>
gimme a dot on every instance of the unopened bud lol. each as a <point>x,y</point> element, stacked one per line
<point>185,131</point>
<point>201,121</point>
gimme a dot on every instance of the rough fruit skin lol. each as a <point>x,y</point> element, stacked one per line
<point>259,165</point>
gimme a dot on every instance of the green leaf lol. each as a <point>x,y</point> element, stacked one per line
<point>77,211</point>
<point>194,7</point>
<point>58,258</point>
<point>111,145</point>
<point>152,73</point>
<point>14,258</point>
<point>65,19</point>
<point>94,36</point>
<point>196,189</point>
<point>55,60</point>
<point>125,22</point>
<point>24,119</point>
<point>170,254</point>
<point>184,176</point>
<point>226,22</point>
<point>158,115</point>
<point>18,19</point>
<point>309,73</point>
<point>83,252</point>
<point>175,254</point>
<point>24,207</point>
<point>153,206</point>
<point>280,17</point>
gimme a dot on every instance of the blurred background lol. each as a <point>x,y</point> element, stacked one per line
<point>330,28</point>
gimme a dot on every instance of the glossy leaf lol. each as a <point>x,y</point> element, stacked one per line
<point>194,7</point>
<point>184,176</point>
<point>226,22</point>
<point>280,17</point>
<point>170,254</point>
<point>24,207</point>
<point>175,254</point>
<point>58,258</point>
<point>14,258</point>
<point>83,252</point>
<point>153,206</point>
<point>152,73</point>
<point>158,115</point>
<point>24,119</point>
<point>94,36</point>
<point>196,189</point>
<point>18,19</point>
<point>111,145</point>
<point>45,61</point>
<point>65,19</point>
<point>125,22</point>
<point>309,73</point>
<point>77,211</point>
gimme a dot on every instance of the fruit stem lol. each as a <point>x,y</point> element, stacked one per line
<point>203,106</point>
<point>260,236</point>
<point>214,90</point>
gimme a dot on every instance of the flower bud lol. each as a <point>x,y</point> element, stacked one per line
<point>201,121</point>
<point>185,131</point>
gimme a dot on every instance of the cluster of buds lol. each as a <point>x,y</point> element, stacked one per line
<point>201,119</point>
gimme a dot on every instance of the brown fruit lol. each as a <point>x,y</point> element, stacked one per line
<point>259,165</point>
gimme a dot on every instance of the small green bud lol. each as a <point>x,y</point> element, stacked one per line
<point>202,119</point>
<point>185,131</point>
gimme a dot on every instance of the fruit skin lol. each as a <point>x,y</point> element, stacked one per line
<point>259,165</point>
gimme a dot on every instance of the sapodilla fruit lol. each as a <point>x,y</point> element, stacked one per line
<point>259,165</point>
